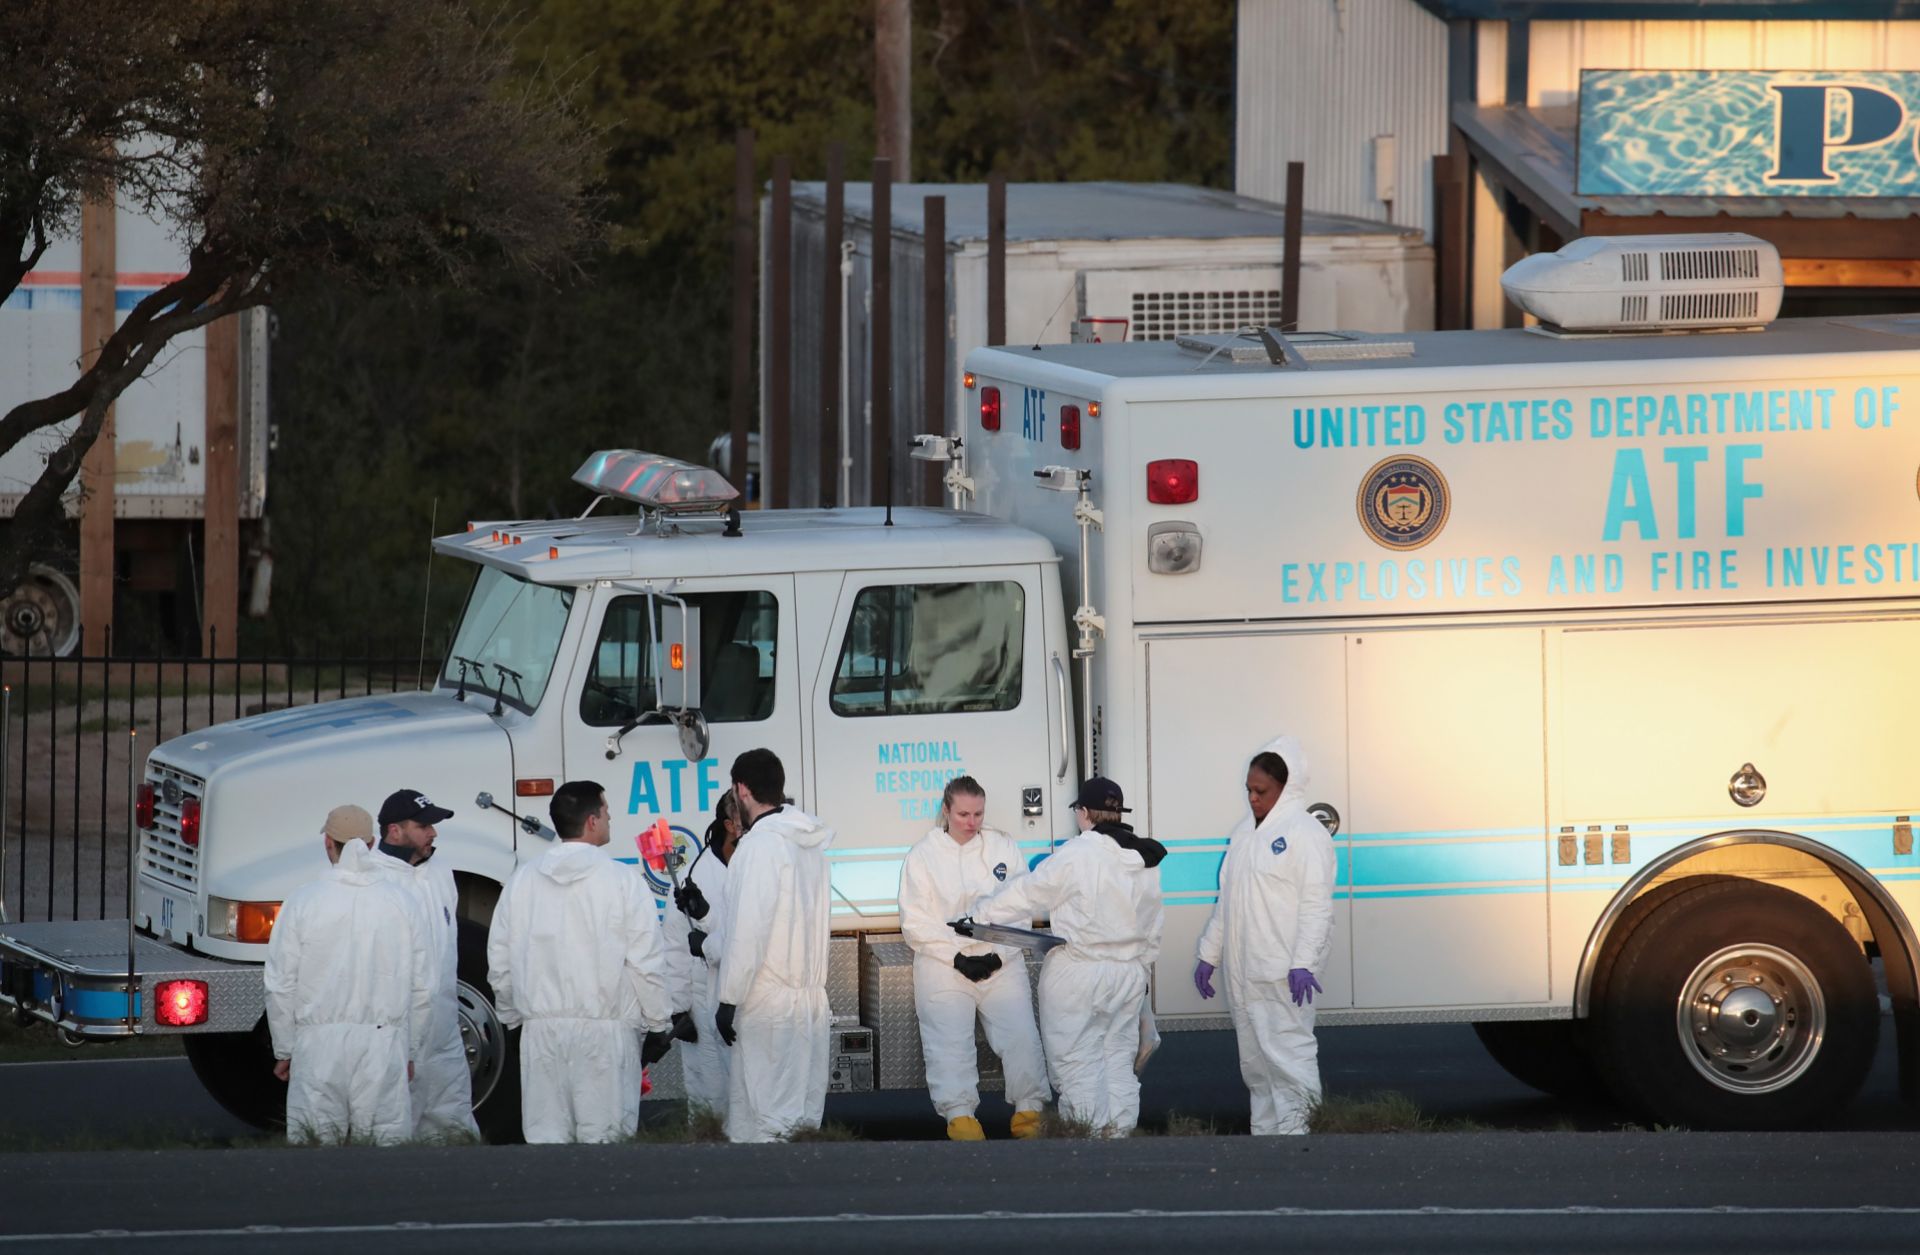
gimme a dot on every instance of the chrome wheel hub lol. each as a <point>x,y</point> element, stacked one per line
<point>1751,1018</point>
<point>485,1039</point>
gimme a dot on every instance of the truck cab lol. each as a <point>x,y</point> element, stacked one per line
<point>879,654</point>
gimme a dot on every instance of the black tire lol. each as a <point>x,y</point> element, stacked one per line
<point>1549,1055</point>
<point>237,1069</point>
<point>1737,1005</point>
<point>497,1108</point>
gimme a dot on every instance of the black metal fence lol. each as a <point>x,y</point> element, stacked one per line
<point>74,737</point>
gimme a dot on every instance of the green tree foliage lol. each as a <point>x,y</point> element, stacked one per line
<point>326,143</point>
<point>488,401</point>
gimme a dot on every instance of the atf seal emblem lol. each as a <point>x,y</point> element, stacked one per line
<point>1404,502</point>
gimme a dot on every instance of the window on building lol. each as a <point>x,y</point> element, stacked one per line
<point>927,649</point>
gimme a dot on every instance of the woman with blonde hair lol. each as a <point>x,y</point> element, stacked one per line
<point>956,978</point>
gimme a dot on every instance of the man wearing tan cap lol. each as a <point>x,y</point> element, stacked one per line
<point>347,982</point>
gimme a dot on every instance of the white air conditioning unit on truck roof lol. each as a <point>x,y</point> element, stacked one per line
<point>1648,283</point>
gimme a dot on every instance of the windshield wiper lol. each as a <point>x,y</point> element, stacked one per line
<point>460,693</point>
<point>504,671</point>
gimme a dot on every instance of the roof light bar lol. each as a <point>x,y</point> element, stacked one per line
<point>659,484</point>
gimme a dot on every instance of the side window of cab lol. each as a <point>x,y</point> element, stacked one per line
<point>929,649</point>
<point>737,644</point>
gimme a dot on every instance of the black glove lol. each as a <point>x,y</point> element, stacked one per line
<point>683,1027</point>
<point>723,1021</point>
<point>692,902</point>
<point>963,926</point>
<point>976,967</point>
<point>654,1046</point>
<point>696,943</point>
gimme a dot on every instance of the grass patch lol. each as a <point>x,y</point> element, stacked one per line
<point>1180,1124</point>
<point>24,1141</point>
<point>1056,1124</point>
<point>682,1124</point>
<point>1385,1111</point>
<point>825,1133</point>
<point>38,1044</point>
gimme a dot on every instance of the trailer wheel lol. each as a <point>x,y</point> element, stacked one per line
<point>41,616</point>
<point>237,1069</point>
<point>493,1050</point>
<point>1549,1055</point>
<point>1737,1005</point>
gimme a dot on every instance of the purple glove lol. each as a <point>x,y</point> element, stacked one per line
<point>1302,984</point>
<point>1203,979</point>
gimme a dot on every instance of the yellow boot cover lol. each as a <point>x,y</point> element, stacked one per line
<point>1026,1124</point>
<point>965,1129</point>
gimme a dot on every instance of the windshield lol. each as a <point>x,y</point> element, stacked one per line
<point>510,624</point>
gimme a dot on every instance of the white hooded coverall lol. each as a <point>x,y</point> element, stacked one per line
<point>575,957</point>
<point>442,1084</point>
<point>774,972</point>
<point>940,880</point>
<point>695,985</point>
<point>347,983</point>
<point>1105,902</point>
<point>1275,913</point>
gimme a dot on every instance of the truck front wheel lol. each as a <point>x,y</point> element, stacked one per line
<point>493,1052</point>
<point>1737,1005</point>
<point>237,1069</point>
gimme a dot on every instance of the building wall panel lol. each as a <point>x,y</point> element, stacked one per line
<point>1318,80</point>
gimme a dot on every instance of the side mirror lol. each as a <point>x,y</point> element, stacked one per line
<point>695,737</point>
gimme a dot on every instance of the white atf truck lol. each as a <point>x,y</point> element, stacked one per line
<point>1602,638</point>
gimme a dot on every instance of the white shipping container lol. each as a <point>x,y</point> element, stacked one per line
<point>1138,261</point>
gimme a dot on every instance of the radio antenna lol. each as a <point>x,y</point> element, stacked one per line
<point>1048,326</point>
<point>426,598</point>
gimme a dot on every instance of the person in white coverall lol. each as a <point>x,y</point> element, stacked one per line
<point>955,978</point>
<point>1101,893</point>
<point>1270,932</point>
<point>575,958</point>
<point>773,972</point>
<point>695,937</point>
<point>347,984</point>
<point>442,1085</point>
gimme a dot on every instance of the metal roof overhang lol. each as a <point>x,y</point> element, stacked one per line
<point>1672,10</point>
<point>1530,152</point>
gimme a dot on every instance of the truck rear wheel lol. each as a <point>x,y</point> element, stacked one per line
<point>1737,1005</point>
<point>237,1069</point>
<point>1549,1055</point>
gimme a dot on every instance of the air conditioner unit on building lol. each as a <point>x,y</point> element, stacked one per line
<point>1642,283</point>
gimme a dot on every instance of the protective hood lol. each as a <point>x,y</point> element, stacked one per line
<point>1293,795</point>
<point>570,861</point>
<point>358,864</point>
<point>1146,849</point>
<point>796,826</point>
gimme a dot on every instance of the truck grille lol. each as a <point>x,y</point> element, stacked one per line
<point>163,855</point>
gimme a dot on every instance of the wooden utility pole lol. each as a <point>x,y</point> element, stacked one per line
<point>893,85</point>
<point>776,463</point>
<point>740,401</point>
<point>221,506</point>
<point>99,286</point>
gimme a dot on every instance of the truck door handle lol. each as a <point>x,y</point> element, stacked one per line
<point>1066,729</point>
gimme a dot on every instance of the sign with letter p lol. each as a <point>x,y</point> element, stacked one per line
<point>1728,133</point>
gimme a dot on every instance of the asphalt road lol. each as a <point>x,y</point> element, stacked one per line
<point>1441,1067</point>
<point>1599,1188</point>
<point>1447,1192</point>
